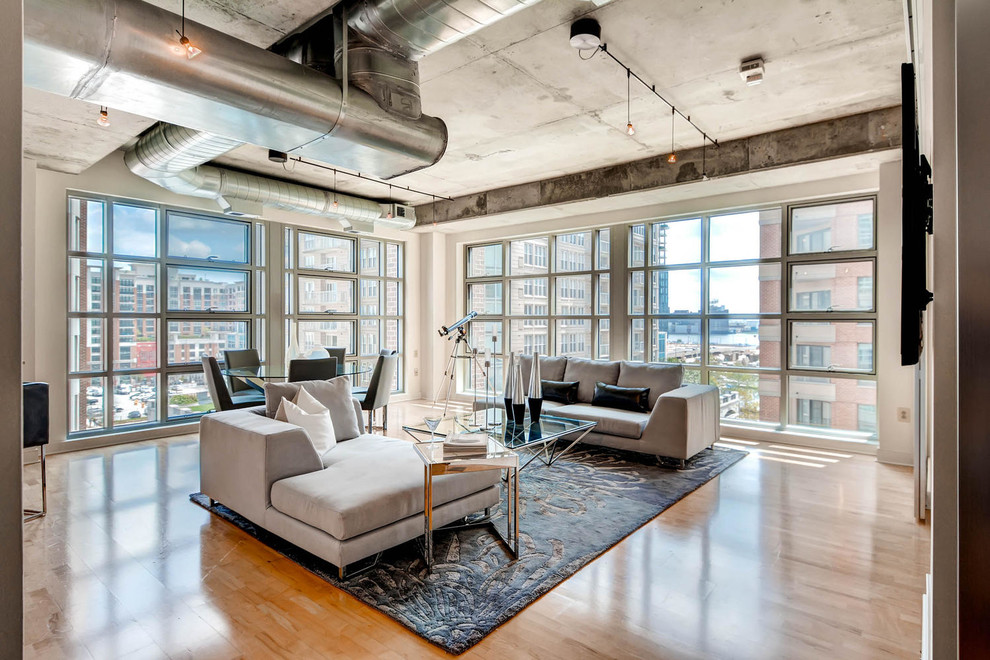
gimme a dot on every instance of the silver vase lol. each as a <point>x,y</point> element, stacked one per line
<point>507,391</point>
<point>535,389</point>
<point>518,395</point>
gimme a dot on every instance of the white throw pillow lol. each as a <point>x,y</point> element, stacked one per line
<point>317,424</point>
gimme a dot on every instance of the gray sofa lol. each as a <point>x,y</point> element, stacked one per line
<point>682,420</point>
<point>363,496</point>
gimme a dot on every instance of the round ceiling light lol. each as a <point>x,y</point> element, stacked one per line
<point>586,34</point>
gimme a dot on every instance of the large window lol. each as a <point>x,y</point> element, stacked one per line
<point>346,292</point>
<point>151,291</point>
<point>775,306</point>
<point>705,293</point>
<point>550,294</point>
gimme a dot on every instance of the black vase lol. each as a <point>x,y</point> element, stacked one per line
<point>508,410</point>
<point>535,408</point>
<point>518,412</point>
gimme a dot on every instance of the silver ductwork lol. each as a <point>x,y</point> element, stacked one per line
<point>122,54</point>
<point>173,157</point>
<point>416,28</point>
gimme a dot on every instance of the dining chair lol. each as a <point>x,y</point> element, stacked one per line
<point>380,388</point>
<point>222,398</point>
<point>35,425</point>
<point>320,369</point>
<point>337,352</point>
<point>239,359</point>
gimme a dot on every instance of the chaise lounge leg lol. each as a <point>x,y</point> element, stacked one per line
<point>340,572</point>
<point>384,418</point>
<point>213,502</point>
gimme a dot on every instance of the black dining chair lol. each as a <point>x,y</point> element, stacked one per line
<point>222,398</point>
<point>337,352</point>
<point>240,359</point>
<point>35,434</point>
<point>318,369</point>
<point>380,388</point>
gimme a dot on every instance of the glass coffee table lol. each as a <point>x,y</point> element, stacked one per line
<point>543,440</point>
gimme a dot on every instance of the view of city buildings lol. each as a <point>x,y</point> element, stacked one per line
<point>143,317</point>
<point>724,295</point>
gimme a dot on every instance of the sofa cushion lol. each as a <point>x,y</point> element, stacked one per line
<point>611,421</point>
<point>636,399</point>
<point>589,372</point>
<point>660,378</point>
<point>560,392</point>
<point>335,394</point>
<point>369,482</point>
<point>551,368</point>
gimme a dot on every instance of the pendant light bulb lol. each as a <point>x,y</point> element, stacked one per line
<point>187,46</point>
<point>672,158</point>
<point>630,130</point>
<point>104,118</point>
<point>335,204</point>
<point>191,51</point>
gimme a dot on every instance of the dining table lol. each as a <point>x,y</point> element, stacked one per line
<point>256,377</point>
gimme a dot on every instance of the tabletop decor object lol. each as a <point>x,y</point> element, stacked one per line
<point>535,389</point>
<point>518,395</point>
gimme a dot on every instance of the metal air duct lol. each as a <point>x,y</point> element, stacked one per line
<point>172,157</point>
<point>121,53</point>
<point>416,28</point>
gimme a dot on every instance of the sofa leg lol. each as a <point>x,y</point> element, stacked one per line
<point>682,465</point>
<point>340,572</point>
<point>384,418</point>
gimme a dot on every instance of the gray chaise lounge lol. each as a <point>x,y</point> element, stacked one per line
<point>683,419</point>
<point>362,497</point>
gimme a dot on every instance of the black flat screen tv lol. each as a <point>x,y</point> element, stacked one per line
<point>916,224</point>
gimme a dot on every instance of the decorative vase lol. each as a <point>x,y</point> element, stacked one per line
<point>293,353</point>
<point>518,396</point>
<point>535,390</point>
<point>509,386</point>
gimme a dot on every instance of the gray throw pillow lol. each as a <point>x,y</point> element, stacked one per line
<point>335,394</point>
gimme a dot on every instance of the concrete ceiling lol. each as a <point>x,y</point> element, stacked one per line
<point>520,105</point>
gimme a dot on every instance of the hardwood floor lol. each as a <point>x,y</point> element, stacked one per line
<point>789,554</point>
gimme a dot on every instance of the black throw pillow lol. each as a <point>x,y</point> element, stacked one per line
<point>636,399</point>
<point>560,391</point>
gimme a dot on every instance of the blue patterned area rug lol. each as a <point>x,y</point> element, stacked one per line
<point>475,585</point>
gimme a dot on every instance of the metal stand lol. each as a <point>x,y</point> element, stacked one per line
<point>34,514</point>
<point>449,372</point>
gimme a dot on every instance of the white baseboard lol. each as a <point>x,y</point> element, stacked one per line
<point>895,457</point>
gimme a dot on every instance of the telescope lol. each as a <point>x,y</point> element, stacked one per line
<point>446,329</point>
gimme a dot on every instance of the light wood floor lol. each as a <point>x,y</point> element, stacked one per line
<point>788,554</point>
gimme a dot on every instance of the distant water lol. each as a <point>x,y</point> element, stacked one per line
<point>720,339</point>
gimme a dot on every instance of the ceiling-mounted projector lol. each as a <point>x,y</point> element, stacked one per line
<point>586,34</point>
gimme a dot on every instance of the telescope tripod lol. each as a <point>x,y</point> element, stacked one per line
<point>449,372</point>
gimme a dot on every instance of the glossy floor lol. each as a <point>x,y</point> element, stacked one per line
<point>789,554</point>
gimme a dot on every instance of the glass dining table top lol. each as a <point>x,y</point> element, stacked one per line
<point>267,372</point>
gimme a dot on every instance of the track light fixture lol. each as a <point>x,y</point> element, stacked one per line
<point>104,118</point>
<point>630,131</point>
<point>586,38</point>
<point>672,158</point>
<point>190,50</point>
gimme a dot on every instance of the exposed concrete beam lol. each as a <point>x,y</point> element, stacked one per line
<point>867,132</point>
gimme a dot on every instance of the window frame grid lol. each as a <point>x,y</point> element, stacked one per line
<point>291,282</point>
<point>593,318</point>
<point>253,316</point>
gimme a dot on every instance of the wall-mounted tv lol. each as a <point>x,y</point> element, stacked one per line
<point>916,224</point>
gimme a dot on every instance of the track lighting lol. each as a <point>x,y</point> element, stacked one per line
<point>187,46</point>
<point>104,118</point>
<point>630,131</point>
<point>672,158</point>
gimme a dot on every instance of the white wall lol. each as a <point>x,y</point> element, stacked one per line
<point>11,560</point>
<point>895,389</point>
<point>44,273</point>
